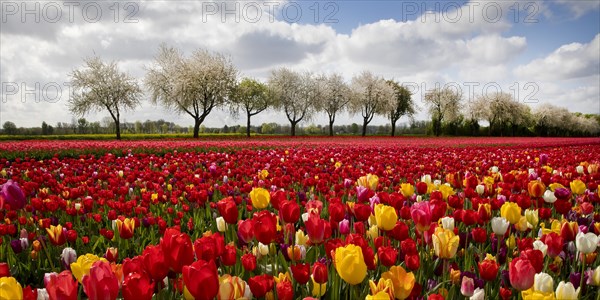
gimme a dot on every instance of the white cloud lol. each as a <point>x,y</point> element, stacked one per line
<point>570,61</point>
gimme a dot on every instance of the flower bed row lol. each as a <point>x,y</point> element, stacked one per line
<point>265,219</point>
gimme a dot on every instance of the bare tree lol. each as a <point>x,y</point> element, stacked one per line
<point>101,86</point>
<point>401,104</point>
<point>252,97</point>
<point>371,96</point>
<point>335,96</point>
<point>294,93</point>
<point>443,104</point>
<point>194,85</point>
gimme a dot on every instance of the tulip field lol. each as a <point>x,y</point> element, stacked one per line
<point>301,218</point>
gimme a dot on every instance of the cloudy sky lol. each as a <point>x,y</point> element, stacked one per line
<point>541,52</point>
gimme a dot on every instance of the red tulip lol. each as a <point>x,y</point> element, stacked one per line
<point>479,235</point>
<point>399,232</point>
<point>387,255</point>
<point>4,270</point>
<point>62,286</point>
<point>101,282</point>
<point>209,247</point>
<point>337,211</point>
<point>177,248</point>
<point>30,293</point>
<point>249,262</point>
<point>228,210</point>
<point>133,265</point>
<point>362,212</point>
<point>320,272</point>
<point>535,257</point>
<point>554,243</point>
<point>488,269</point>
<point>301,272</point>
<point>521,273</point>
<point>285,290</point>
<point>260,285</point>
<point>155,262</point>
<point>289,211</point>
<point>245,230</point>
<point>229,257</point>
<point>137,286</point>
<point>412,261</point>
<point>421,188</point>
<point>317,229</point>
<point>201,279</point>
<point>265,226</point>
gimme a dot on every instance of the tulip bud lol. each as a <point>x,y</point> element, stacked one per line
<point>467,286</point>
<point>67,257</point>
<point>549,197</point>
<point>221,225</point>
<point>448,223</point>
<point>480,189</point>
<point>344,227</point>
<point>579,169</point>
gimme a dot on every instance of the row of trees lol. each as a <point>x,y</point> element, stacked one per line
<point>107,126</point>
<point>197,84</point>
<point>505,116</point>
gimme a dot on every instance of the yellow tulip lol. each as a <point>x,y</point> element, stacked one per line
<point>530,294</point>
<point>379,296</point>
<point>402,281</point>
<point>522,224</point>
<point>385,216</point>
<point>532,217</point>
<point>83,264</point>
<point>511,212</point>
<point>384,285</point>
<point>373,232</point>
<point>262,175</point>
<point>10,289</point>
<point>446,191</point>
<point>350,264</point>
<point>370,181</point>
<point>318,290</point>
<point>407,189</point>
<point>554,186</point>
<point>577,187</point>
<point>260,198</point>
<point>445,243</point>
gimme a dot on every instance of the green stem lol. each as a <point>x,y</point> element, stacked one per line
<point>582,271</point>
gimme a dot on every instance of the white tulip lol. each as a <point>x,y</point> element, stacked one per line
<point>499,225</point>
<point>549,196</point>
<point>586,243</point>
<point>448,223</point>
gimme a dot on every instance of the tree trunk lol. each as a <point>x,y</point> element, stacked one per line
<point>364,129</point>
<point>248,126</point>
<point>293,128</point>
<point>196,128</point>
<point>393,127</point>
<point>330,128</point>
<point>118,128</point>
